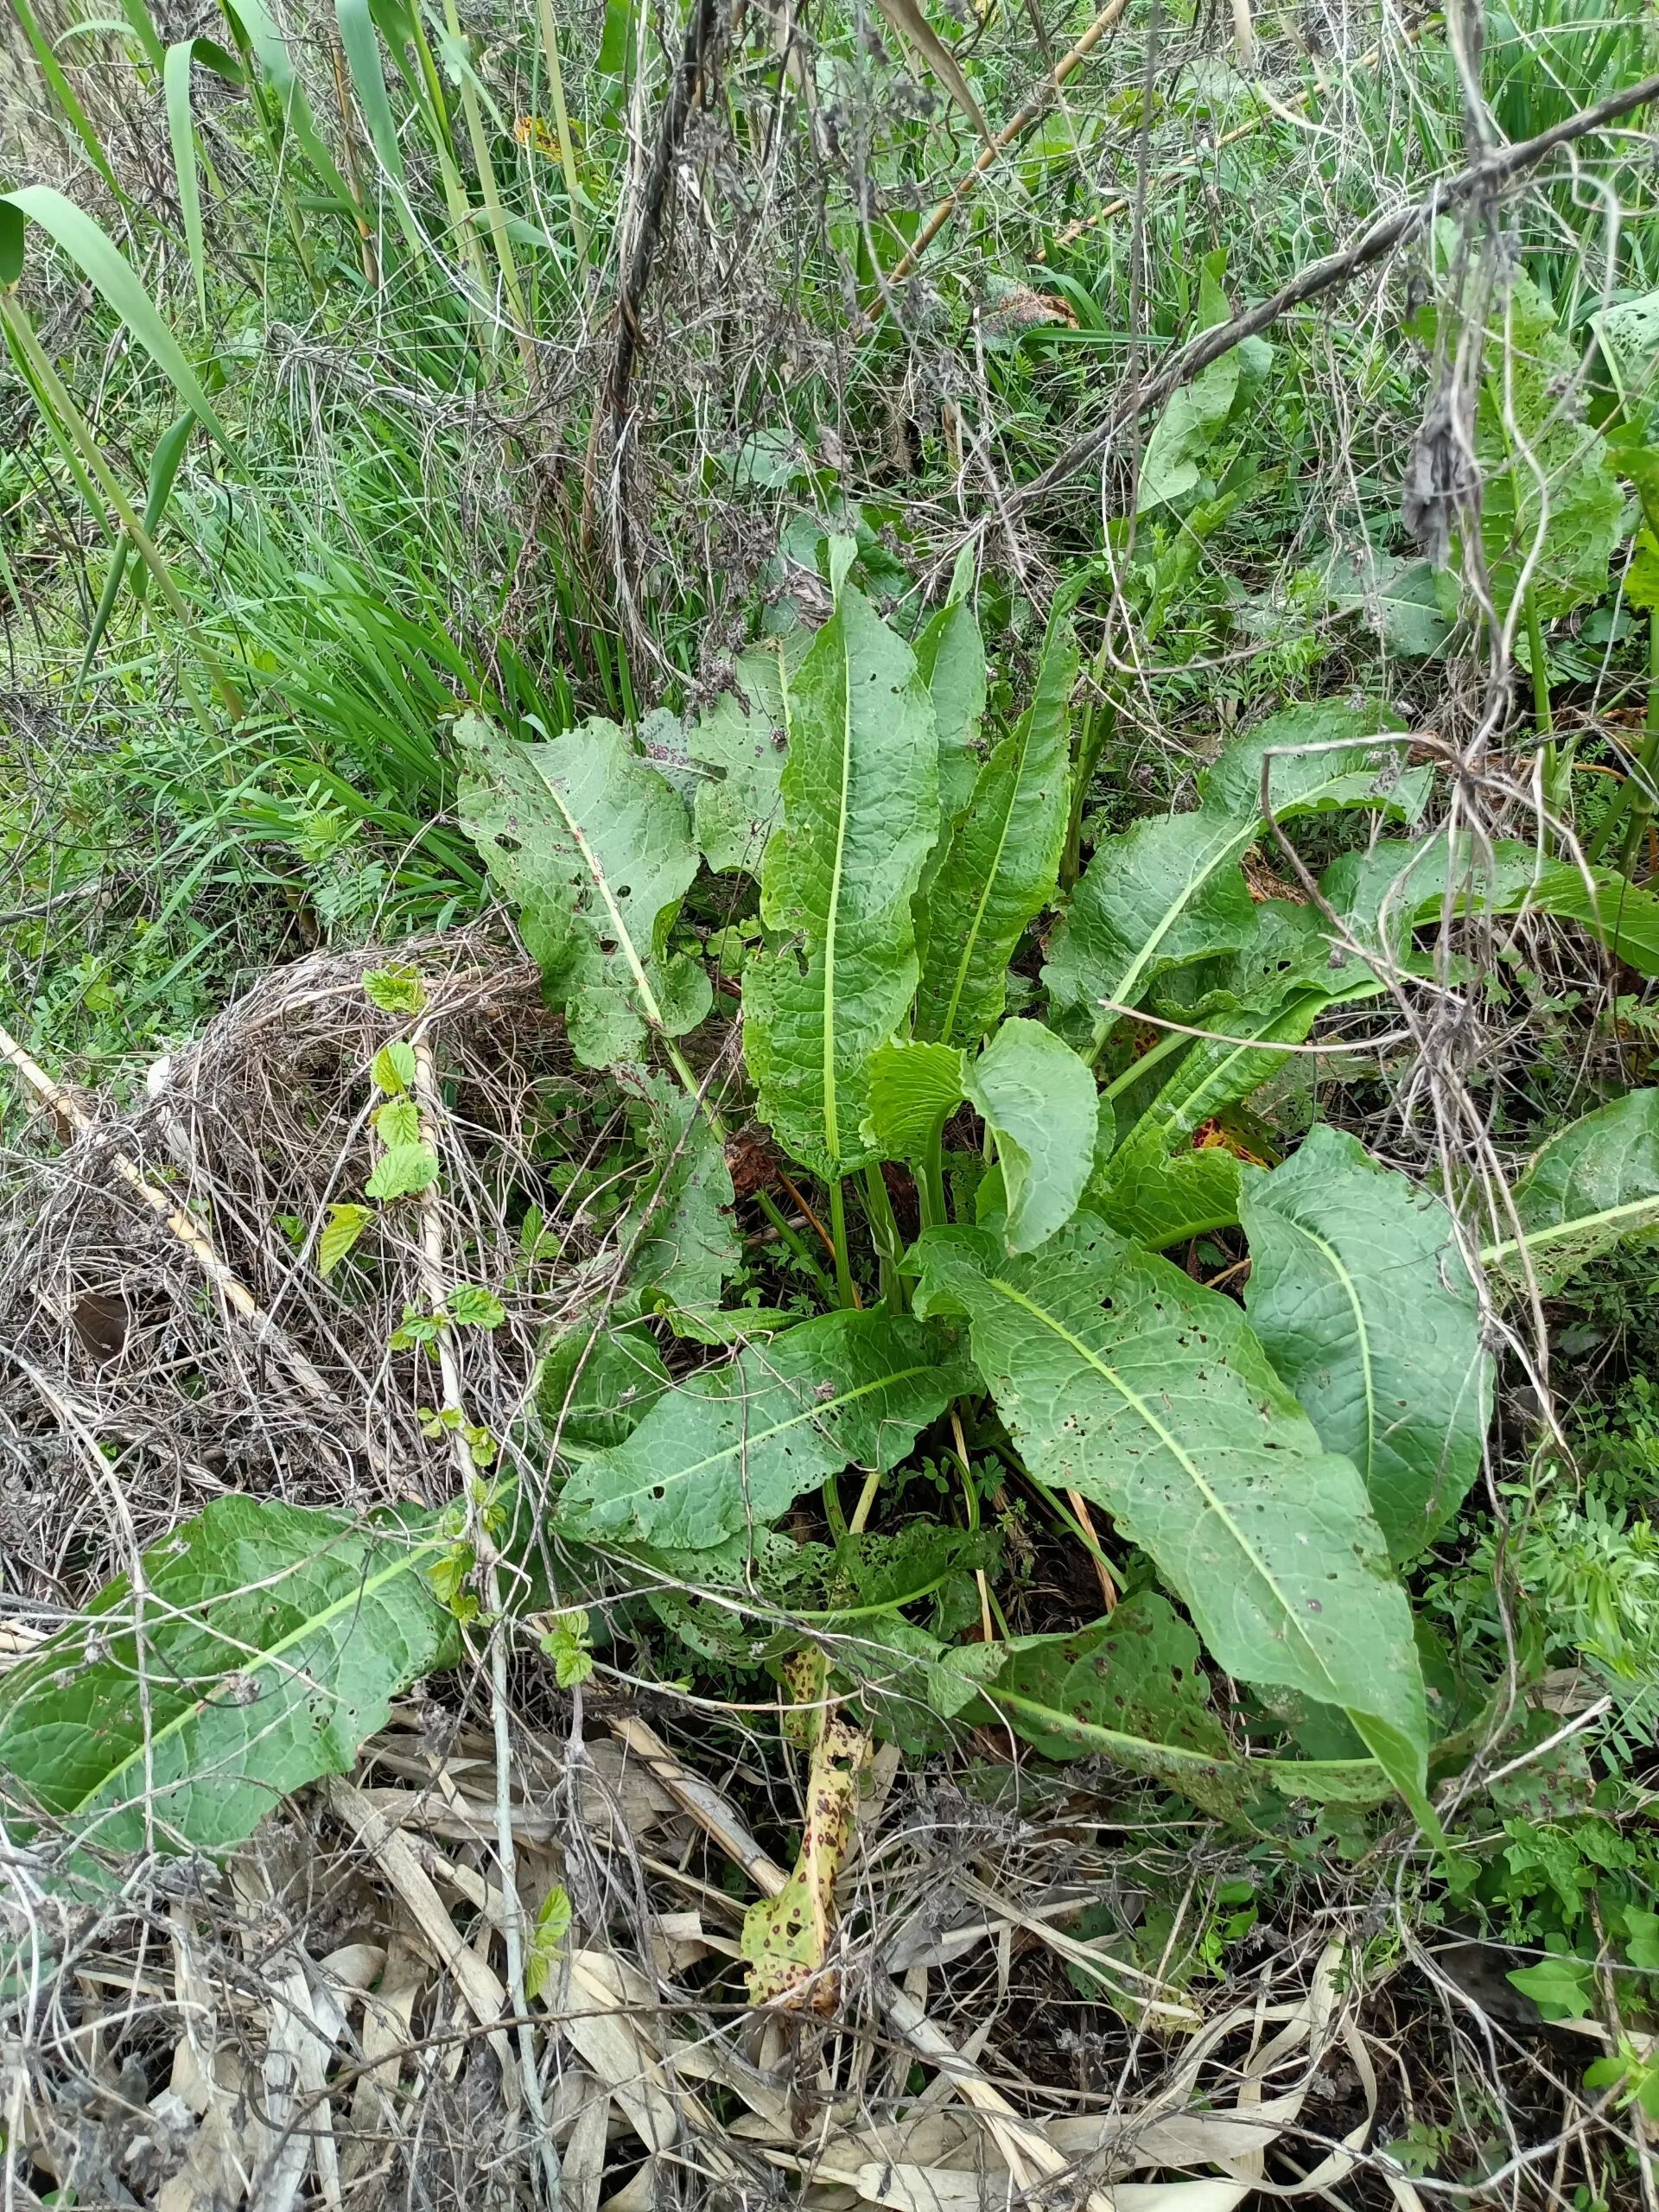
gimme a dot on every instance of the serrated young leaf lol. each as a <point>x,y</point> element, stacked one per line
<point>395,990</point>
<point>344,1224</point>
<point>1592,1186</point>
<point>1000,862</point>
<point>677,1237</point>
<point>274,1639</point>
<point>1362,1300</point>
<point>914,1090</point>
<point>470,1307</point>
<point>861,815</point>
<point>1120,1377</point>
<point>1039,1102</point>
<point>393,1067</point>
<point>741,737</point>
<point>397,1122</point>
<point>950,661</point>
<point>546,1940</point>
<point>596,1383</point>
<point>734,1447</point>
<point>399,1174</point>
<point>595,848</point>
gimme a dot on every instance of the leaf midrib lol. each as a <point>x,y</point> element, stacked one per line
<point>1362,1332</point>
<point>991,875</point>
<point>831,1104</point>
<point>647,997</point>
<point>354,1599</point>
<point>1172,1444</point>
<point>1539,1240</point>
<point>752,1439</point>
<point>1244,837</point>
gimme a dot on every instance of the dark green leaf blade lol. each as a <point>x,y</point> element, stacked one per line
<point>1001,862</point>
<point>731,1449</point>
<point>269,1641</point>
<point>595,848</point>
<point>950,660</point>
<point>1168,891</point>
<point>1040,1103</point>
<point>1120,1377</point>
<point>861,815</point>
<point>1362,1300</point>
<point>1592,1185</point>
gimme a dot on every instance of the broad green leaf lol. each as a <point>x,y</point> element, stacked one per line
<point>595,849</point>
<point>1168,891</point>
<point>678,1236</point>
<point>1158,1197</point>
<point>471,1306</point>
<point>1000,862</point>
<point>1398,598</point>
<point>1362,1302</point>
<point>1196,436</point>
<point>1561,1988</point>
<point>914,1090</point>
<point>1628,334</point>
<point>596,1383</point>
<point>103,265</point>
<point>861,815</point>
<point>1040,1103</point>
<point>268,1642</point>
<point>403,1171</point>
<point>734,1447</point>
<point>1120,1377</point>
<point>1289,949</point>
<point>1139,1672</point>
<point>344,1224</point>
<point>950,661</point>
<point>1384,894</point>
<point>1594,1184</point>
<point>1318,758</point>
<point>1550,503</point>
<point>741,738</point>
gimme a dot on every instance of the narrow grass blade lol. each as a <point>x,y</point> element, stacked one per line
<point>101,262</point>
<point>64,93</point>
